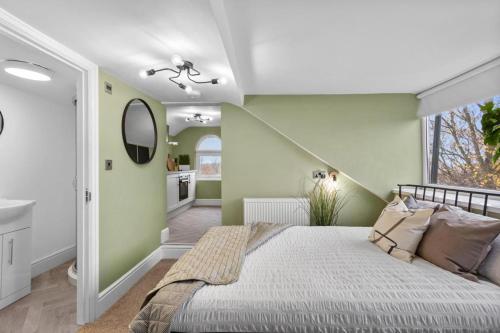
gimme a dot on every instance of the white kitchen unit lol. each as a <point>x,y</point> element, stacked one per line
<point>15,249</point>
<point>181,189</point>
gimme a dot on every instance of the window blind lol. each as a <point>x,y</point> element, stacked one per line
<point>476,85</point>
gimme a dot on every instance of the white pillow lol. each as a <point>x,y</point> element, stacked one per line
<point>399,230</point>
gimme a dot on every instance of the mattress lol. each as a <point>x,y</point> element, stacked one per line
<point>332,279</point>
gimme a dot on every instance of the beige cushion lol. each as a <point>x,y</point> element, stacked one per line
<point>458,242</point>
<point>398,229</point>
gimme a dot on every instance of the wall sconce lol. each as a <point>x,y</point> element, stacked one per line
<point>173,143</point>
<point>322,174</point>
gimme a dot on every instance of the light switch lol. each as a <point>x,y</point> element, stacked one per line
<point>108,165</point>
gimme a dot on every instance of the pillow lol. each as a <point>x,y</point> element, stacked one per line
<point>490,267</point>
<point>458,242</point>
<point>412,203</point>
<point>398,230</point>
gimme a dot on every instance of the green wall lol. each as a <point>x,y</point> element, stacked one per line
<point>259,162</point>
<point>188,138</point>
<point>375,139</point>
<point>132,197</point>
<point>208,189</point>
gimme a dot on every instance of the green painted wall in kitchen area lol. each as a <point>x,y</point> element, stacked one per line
<point>187,139</point>
<point>132,198</point>
<point>259,162</point>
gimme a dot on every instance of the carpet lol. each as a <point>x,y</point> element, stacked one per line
<point>117,318</point>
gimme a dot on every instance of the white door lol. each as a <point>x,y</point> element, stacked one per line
<point>16,261</point>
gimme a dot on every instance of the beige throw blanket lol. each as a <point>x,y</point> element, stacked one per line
<point>217,258</point>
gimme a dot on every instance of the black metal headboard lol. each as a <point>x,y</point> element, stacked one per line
<point>445,190</point>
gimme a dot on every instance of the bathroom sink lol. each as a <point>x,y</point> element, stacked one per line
<point>10,209</point>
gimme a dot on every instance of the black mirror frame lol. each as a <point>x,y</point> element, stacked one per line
<point>2,122</point>
<point>154,126</point>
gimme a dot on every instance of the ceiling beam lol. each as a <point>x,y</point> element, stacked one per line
<point>220,15</point>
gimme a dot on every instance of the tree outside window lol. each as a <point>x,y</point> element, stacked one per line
<point>456,150</point>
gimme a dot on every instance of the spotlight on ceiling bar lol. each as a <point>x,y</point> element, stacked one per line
<point>197,117</point>
<point>183,66</point>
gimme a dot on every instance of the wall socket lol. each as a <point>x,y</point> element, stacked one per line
<point>108,165</point>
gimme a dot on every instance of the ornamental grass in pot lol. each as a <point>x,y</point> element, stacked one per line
<point>324,202</point>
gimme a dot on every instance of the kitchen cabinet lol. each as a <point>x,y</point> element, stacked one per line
<point>174,192</point>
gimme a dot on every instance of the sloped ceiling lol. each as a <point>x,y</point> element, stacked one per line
<point>276,47</point>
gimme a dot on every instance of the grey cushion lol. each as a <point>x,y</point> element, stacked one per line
<point>457,242</point>
<point>490,268</point>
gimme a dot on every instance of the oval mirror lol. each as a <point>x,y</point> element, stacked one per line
<point>139,131</point>
<point>1,122</point>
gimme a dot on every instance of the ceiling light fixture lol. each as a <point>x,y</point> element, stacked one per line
<point>27,70</point>
<point>188,68</point>
<point>197,117</point>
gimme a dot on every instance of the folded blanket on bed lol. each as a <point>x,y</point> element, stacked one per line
<point>217,258</point>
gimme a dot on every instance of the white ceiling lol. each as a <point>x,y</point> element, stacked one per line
<point>176,116</point>
<point>125,37</point>
<point>62,87</point>
<point>276,47</point>
<point>346,46</point>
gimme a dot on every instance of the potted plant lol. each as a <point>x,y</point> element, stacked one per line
<point>184,162</point>
<point>324,202</point>
<point>491,127</point>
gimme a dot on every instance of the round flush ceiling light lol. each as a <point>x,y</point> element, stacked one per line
<point>27,70</point>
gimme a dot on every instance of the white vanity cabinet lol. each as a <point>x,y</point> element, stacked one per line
<point>16,262</point>
<point>15,249</point>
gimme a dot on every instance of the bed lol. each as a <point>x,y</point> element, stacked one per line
<point>332,279</point>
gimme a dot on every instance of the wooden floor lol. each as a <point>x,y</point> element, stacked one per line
<point>50,308</point>
<point>188,227</point>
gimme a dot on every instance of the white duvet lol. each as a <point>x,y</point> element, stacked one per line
<point>332,279</point>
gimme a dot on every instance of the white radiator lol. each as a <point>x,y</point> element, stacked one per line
<point>275,210</point>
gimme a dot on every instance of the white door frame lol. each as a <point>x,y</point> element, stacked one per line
<point>87,138</point>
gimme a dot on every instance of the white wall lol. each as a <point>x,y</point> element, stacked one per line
<point>38,161</point>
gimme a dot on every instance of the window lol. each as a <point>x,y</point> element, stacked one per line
<point>456,153</point>
<point>208,158</point>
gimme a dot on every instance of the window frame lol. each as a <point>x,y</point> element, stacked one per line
<point>200,153</point>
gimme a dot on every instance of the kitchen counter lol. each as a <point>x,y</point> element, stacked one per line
<point>170,173</point>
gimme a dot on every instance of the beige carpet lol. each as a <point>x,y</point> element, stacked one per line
<point>117,318</point>
<point>189,226</point>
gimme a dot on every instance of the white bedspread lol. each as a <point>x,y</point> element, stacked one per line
<point>332,279</point>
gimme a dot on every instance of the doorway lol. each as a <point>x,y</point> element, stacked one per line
<point>86,182</point>
<point>194,172</point>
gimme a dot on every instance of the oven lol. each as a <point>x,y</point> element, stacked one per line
<point>184,181</point>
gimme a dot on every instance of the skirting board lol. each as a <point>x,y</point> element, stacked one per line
<point>174,251</point>
<point>173,213</point>
<point>115,291</point>
<point>208,202</point>
<point>53,260</point>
